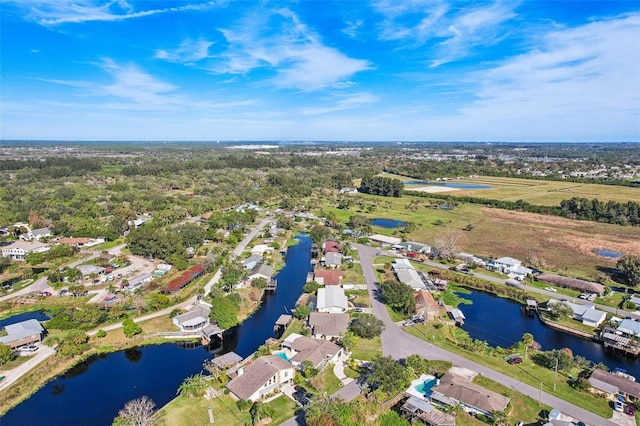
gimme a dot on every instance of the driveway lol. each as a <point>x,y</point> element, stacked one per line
<point>10,376</point>
<point>399,345</point>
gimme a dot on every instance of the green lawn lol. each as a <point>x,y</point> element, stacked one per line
<point>330,382</point>
<point>194,411</point>
<point>526,372</point>
<point>353,274</point>
<point>284,408</point>
<point>367,349</point>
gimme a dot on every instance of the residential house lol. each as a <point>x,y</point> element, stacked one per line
<point>331,247</point>
<point>138,281</point>
<point>22,333</point>
<point>399,264</point>
<point>260,249</point>
<point>247,206</point>
<point>90,269</point>
<point>37,234</point>
<point>196,318</point>
<point>510,266</point>
<point>251,262</point>
<point>317,351</point>
<point>383,239</point>
<point>418,409</point>
<point>411,278</point>
<point>426,305</point>
<point>474,399</point>
<point>587,314</point>
<point>333,260</point>
<point>331,299</point>
<point>19,249</point>
<point>347,190</point>
<point>629,328</point>
<point>74,242</point>
<point>264,376</point>
<point>261,270</point>
<point>328,277</point>
<point>415,247</point>
<point>328,326</point>
<point>612,385</point>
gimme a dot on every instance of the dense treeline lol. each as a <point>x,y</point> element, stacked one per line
<point>381,185</point>
<point>54,167</point>
<point>575,208</point>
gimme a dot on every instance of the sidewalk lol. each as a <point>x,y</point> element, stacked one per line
<point>338,370</point>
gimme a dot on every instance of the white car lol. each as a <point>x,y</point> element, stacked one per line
<point>550,289</point>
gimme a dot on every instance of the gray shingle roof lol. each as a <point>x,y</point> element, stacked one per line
<point>256,374</point>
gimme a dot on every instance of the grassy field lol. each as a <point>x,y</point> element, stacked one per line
<point>547,242</point>
<point>367,349</point>
<point>542,192</point>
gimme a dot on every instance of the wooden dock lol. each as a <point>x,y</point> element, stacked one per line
<point>272,285</point>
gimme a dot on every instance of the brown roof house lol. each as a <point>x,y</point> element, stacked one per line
<point>263,377</point>
<point>611,385</point>
<point>318,351</point>
<point>328,277</point>
<point>327,326</point>
<point>426,305</point>
<point>454,388</point>
<point>22,333</point>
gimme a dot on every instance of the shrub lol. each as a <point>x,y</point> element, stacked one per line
<point>130,328</point>
<point>101,333</point>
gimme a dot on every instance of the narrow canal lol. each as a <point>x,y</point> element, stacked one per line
<point>502,322</point>
<point>92,392</point>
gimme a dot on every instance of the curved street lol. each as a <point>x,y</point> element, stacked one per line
<point>399,344</point>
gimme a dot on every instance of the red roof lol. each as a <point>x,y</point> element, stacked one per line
<point>332,247</point>
<point>330,277</point>
<point>73,241</point>
<point>185,278</point>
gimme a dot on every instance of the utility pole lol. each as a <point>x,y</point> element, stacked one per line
<point>555,374</point>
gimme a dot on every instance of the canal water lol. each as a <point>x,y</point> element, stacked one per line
<point>388,223</point>
<point>502,322</point>
<point>93,392</point>
<point>25,316</point>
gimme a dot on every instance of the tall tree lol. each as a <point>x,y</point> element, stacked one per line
<point>137,412</point>
<point>629,266</point>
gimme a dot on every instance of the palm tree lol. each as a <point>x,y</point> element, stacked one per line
<point>527,340</point>
<point>500,418</point>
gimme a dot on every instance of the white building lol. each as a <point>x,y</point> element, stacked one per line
<point>19,249</point>
<point>510,266</point>
<point>332,299</point>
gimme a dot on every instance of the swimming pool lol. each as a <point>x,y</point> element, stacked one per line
<point>421,387</point>
<point>425,387</point>
<point>282,355</point>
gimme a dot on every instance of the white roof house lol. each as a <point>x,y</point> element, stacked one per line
<point>587,314</point>
<point>90,269</point>
<point>629,327</point>
<point>411,278</point>
<point>333,259</point>
<point>22,333</point>
<point>383,239</point>
<point>251,261</point>
<point>332,299</point>
<point>19,249</point>
<point>401,264</point>
<point>260,249</point>
<point>36,234</point>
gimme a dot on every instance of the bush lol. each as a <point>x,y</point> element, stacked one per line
<point>175,312</point>
<point>243,405</point>
<point>101,333</point>
<point>130,328</point>
<point>366,326</point>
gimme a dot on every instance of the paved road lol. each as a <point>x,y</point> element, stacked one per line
<point>207,288</point>
<point>14,374</point>
<point>398,344</point>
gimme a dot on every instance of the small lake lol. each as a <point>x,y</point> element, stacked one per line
<point>608,253</point>
<point>388,223</point>
<point>92,392</point>
<point>448,185</point>
<point>37,315</point>
<point>502,322</point>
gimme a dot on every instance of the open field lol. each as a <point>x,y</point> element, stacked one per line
<point>543,192</point>
<point>548,242</point>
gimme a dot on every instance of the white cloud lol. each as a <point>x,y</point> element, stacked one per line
<point>281,43</point>
<point>341,102</point>
<point>188,51</point>
<point>352,28</point>
<point>55,12</point>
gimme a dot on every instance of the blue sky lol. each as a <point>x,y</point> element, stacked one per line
<point>416,70</point>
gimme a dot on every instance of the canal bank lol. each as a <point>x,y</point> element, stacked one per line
<point>93,391</point>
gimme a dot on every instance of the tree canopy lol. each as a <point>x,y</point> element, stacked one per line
<point>398,296</point>
<point>366,326</point>
<point>629,267</point>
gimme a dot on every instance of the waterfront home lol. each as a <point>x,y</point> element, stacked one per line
<point>19,249</point>
<point>332,260</point>
<point>196,318</point>
<point>474,399</point>
<point>261,270</point>
<point>629,328</point>
<point>331,247</point>
<point>22,333</point>
<point>426,305</point>
<point>328,277</point>
<point>511,267</point>
<point>586,314</point>
<point>457,316</point>
<point>331,299</point>
<point>383,239</point>
<point>317,351</point>
<point>611,385</point>
<point>328,326</point>
<point>260,249</point>
<point>264,376</point>
<point>251,262</point>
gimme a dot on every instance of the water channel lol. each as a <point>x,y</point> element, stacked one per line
<point>502,322</point>
<point>388,223</point>
<point>92,392</point>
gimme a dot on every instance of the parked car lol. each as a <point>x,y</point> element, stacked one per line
<point>630,409</point>
<point>29,348</point>
<point>618,406</point>
<point>46,293</point>
<point>417,318</point>
<point>515,360</point>
<point>357,310</point>
<point>300,398</point>
<point>550,289</point>
<point>408,323</point>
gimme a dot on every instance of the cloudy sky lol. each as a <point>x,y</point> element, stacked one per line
<point>387,70</point>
